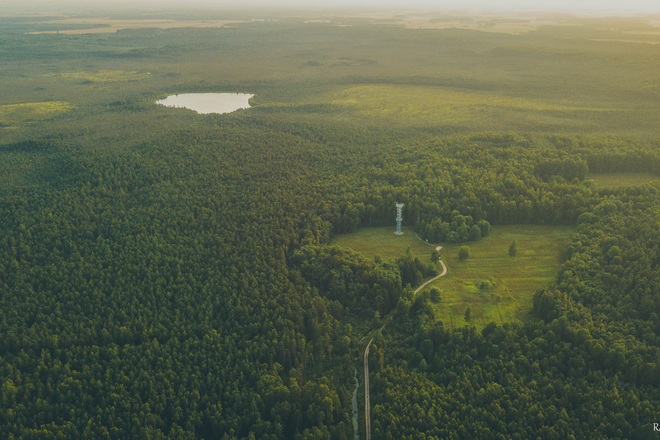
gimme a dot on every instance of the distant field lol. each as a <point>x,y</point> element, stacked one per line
<point>111,25</point>
<point>14,114</point>
<point>107,75</point>
<point>614,180</point>
<point>408,105</point>
<point>513,281</point>
<point>486,22</point>
<point>383,75</point>
<point>381,241</point>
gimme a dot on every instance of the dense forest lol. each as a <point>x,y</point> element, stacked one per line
<point>169,275</point>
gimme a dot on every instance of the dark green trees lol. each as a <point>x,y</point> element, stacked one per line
<point>513,249</point>
<point>185,288</point>
<point>475,233</point>
<point>463,253</point>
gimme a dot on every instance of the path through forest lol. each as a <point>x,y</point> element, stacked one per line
<point>367,407</point>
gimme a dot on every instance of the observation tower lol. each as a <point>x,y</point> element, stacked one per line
<point>399,207</point>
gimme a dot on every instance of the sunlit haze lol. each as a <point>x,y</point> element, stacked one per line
<point>593,6</point>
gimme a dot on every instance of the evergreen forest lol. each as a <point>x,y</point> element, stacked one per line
<point>166,274</point>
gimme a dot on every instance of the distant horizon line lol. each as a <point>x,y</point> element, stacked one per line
<point>46,7</point>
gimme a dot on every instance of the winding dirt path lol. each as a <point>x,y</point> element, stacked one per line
<point>444,272</point>
<point>437,248</point>
<point>367,405</point>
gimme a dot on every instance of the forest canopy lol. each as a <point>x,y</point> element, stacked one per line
<point>165,274</point>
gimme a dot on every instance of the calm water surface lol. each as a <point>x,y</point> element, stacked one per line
<point>208,102</point>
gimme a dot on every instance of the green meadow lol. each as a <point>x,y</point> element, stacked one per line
<point>410,105</point>
<point>348,72</point>
<point>106,76</point>
<point>381,241</point>
<point>618,180</point>
<point>496,287</point>
<point>14,114</point>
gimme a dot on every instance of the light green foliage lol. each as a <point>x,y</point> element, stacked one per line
<point>394,77</point>
<point>513,248</point>
<point>511,282</point>
<point>621,180</point>
<point>463,253</point>
<point>435,294</point>
<point>381,241</point>
<point>408,105</point>
<point>17,114</point>
<point>107,76</point>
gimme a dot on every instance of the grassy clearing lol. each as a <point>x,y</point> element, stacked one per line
<point>381,241</point>
<point>420,105</point>
<point>531,83</point>
<point>106,76</point>
<point>511,30</point>
<point>11,115</point>
<point>109,25</point>
<point>511,282</point>
<point>615,180</point>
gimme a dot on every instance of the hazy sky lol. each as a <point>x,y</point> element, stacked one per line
<point>526,5</point>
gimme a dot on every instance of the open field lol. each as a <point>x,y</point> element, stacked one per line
<point>109,25</point>
<point>512,23</point>
<point>509,283</point>
<point>625,41</point>
<point>381,241</point>
<point>484,24</point>
<point>615,180</point>
<point>447,80</point>
<point>107,75</point>
<point>14,114</point>
<point>407,105</point>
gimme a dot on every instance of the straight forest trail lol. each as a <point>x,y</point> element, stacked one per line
<point>367,405</point>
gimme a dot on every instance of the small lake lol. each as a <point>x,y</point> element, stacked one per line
<point>208,102</point>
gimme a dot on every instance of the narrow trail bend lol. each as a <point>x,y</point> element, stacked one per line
<point>367,405</point>
<point>437,248</point>
<point>444,272</point>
